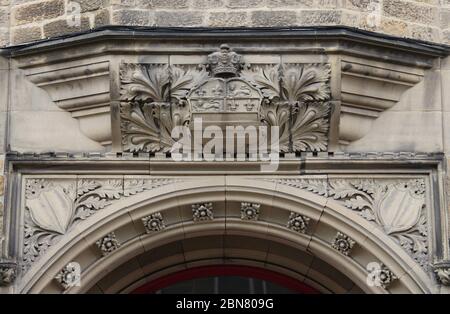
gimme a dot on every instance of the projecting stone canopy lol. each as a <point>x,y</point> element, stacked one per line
<point>323,93</point>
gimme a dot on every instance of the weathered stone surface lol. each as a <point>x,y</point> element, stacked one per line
<point>40,11</point>
<point>131,17</point>
<point>4,17</point>
<point>185,18</point>
<point>208,4</point>
<point>4,37</point>
<point>410,11</point>
<point>290,3</point>
<point>445,18</point>
<point>239,4</point>
<point>163,4</point>
<point>102,18</point>
<point>273,18</point>
<point>91,5</point>
<point>424,32</point>
<point>323,17</point>
<point>223,19</point>
<point>61,27</point>
<point>26,34</point>
<point>394,27</point>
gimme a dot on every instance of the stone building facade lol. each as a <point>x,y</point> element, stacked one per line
<point>349,194</point>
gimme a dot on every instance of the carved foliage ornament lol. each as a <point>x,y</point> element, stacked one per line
<point>396,206</point>
<point>108,243</point>
<point>157,97</point>
<point>343,243</point>
<point>69,276</point>
<point>250,211</point>
<point>53,207</point>
<point>298,223</point>
<point>153,223</point>
<point>202,212</point>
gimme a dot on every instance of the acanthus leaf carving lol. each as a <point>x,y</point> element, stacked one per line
<point>292,97</point>
<point>144,82</point>
<point>305,82</point>
<point>266,78</point>
<point>45,224</point>
<point>396,206</point>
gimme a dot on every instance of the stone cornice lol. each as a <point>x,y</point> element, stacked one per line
<point>399,163</point>
<point>118,36</point>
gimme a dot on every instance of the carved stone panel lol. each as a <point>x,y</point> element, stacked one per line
<point>155,98</point>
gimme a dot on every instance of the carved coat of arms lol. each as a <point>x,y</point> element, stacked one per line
<point>225,91</point>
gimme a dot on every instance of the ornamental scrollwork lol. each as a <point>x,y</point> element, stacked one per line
<point>396,206</point>
<point>53,207</point>
<point>157,97</point>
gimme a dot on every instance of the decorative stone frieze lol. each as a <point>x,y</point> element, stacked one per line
<point>202,212</point>
<point>343,243</point>
<point>153,223</point>
<point>298,223</point>
<point>250,211</point>
<point>69,276</point>
<point>108,244</point>
<point>54,206</point>
<point>396,206</point>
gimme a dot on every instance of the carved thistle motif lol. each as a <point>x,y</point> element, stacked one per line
<point>157,97</point>
<point>398,207</point>
<point>53,207</point>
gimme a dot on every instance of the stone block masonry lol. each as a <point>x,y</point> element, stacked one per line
<point>24,21</point>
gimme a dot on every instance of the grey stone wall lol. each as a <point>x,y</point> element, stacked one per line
<point>28,20</point>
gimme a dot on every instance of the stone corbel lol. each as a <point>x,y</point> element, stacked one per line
<point>442,271</point>
<point>84,91</point>
<point>366,91</point>
<point>8,272</point>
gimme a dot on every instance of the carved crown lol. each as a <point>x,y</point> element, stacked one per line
<point>225,61</point>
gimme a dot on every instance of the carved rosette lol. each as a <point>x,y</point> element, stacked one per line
<point>385,276</point>
<point>298,223</point>
<point>69,276</point>
<point>157,97</point>
<point>108,244</point>
<point>250,211</point>
<point>54,206</point>
<point>396,206</point>
<point>202,212</point>
<point>153,223</point>
<point>343,243</point>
